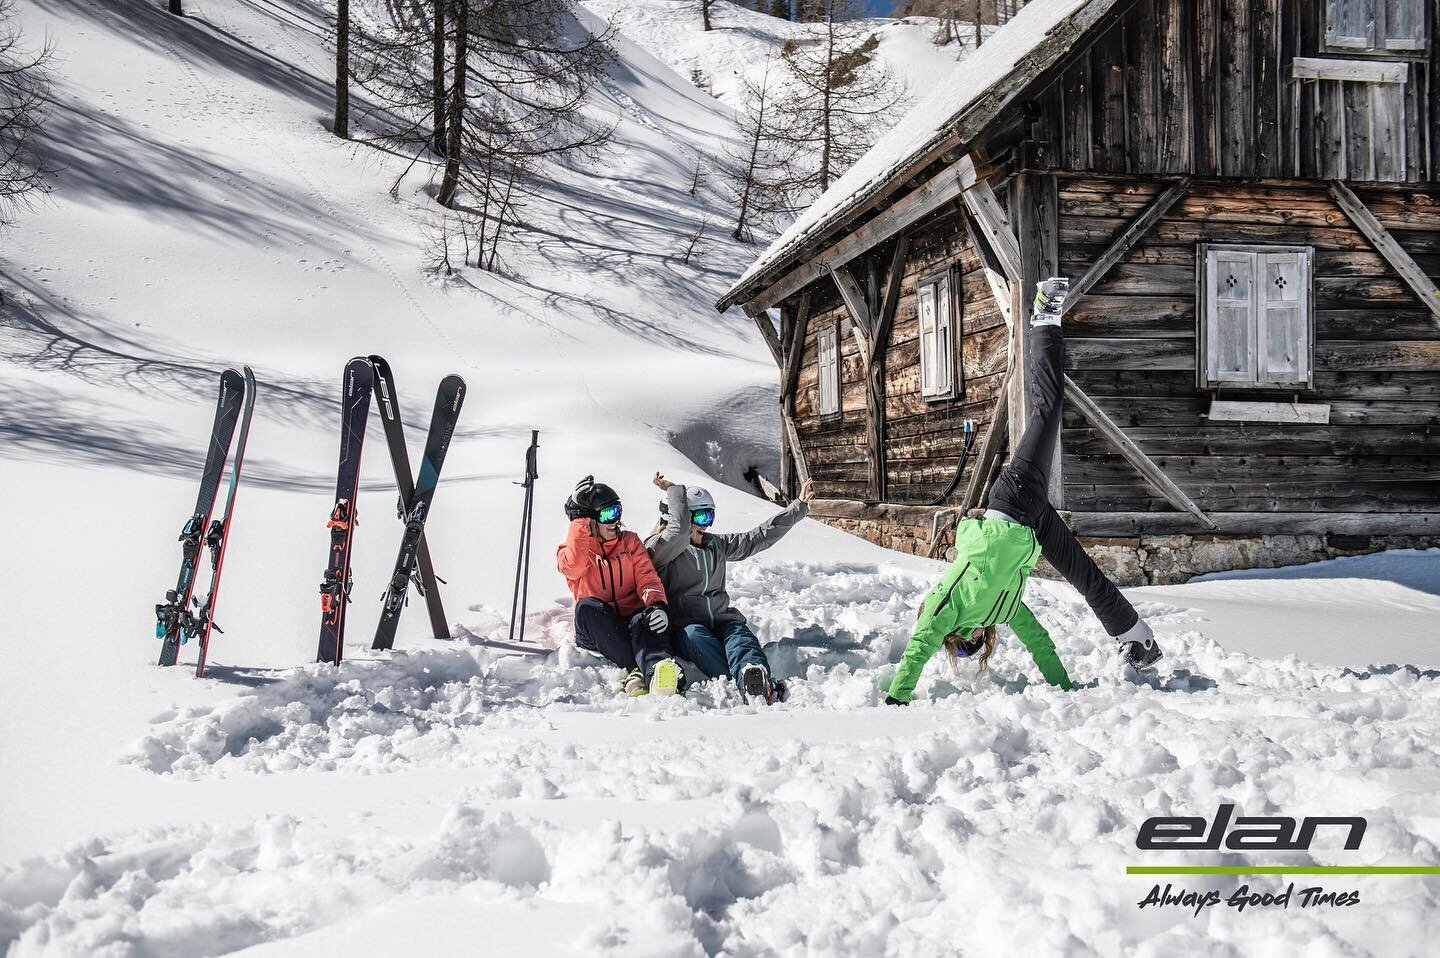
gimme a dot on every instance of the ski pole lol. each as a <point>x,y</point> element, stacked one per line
<point>521,596</point>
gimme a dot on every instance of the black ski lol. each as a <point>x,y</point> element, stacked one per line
<point>442,427</point>
<point>389,403</point>
<point>335,589</point>
<point>202,620</point>
<point>171,615</point>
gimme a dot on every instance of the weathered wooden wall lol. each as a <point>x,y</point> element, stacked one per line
<point>922,437</point>
<point>1131,345</point>
<point>1206,87</point>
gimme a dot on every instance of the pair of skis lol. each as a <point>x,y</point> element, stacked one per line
<point>182,615</point>
<point>367,377</point>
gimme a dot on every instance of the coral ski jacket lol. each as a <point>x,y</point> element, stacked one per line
<point>983,586</point>
<point>618,573</point>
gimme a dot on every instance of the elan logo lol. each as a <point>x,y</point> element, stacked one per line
<point>1246,833</point>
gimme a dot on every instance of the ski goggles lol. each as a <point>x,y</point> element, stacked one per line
<point>608,514</point>
<point>704,518</point>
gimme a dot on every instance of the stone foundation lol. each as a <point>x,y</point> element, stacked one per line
<point>1158,559</point>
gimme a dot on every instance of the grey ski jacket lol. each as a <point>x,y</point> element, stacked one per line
<point>694,576</point>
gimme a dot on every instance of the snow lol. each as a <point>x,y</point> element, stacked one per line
<point>949,95</point>
<point>449,794</point>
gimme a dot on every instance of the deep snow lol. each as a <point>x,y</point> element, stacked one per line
<point>455,799</point>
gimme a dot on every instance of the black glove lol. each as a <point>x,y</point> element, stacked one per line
<point>891,700</point>
<point>578,505</point>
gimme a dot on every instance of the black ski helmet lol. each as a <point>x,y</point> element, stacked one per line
<point>601,496</point>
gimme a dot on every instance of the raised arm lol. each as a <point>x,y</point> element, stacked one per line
<point>743,545</point>
<point>670,544</point>
<point>1037,640</point>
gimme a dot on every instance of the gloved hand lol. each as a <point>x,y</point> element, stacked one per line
<point>657,619</point>
<point>1050,296</point>
<point>891,700</point>
<point>578,505</point>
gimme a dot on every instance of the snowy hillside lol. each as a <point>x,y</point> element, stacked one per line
<point>450,799</point>
<point>742,40</point>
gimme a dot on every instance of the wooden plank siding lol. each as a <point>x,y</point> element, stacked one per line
<point>922,437</point>
<point>1131,345</point>
<point>1207,87</point>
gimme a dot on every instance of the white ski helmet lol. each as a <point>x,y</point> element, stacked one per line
<point>698,498</point>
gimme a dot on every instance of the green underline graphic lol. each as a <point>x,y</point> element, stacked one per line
<point>1282,869</point>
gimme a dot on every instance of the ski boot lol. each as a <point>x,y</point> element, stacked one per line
<point>755,686</point>
<point>666,678</point>
<point>634,684</point>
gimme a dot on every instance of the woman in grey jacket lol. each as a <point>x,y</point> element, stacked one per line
<point>709,631</point>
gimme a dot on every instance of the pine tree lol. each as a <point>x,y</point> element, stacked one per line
<point>780,9</point>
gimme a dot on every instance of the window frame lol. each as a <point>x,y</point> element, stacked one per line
<point>952,355</point>
<point>1204,374</point>
<point>1331,41</point>
<point>832,333</point>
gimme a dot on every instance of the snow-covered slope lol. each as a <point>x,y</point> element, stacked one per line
<point>742,40</point>
<point>450,799</point>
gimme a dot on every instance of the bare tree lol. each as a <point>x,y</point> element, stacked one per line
<point>520,75</point>
<point>836,92</point>
<point>175,8</point>
<point>705,6</point>
<point>760,160</point>
<point>24,92</point>
<point>780,9</point>
<point>342,69</point>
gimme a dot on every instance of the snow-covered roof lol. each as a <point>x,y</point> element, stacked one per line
<point>963,101</point>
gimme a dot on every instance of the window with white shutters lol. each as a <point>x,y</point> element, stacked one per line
<point>934,306</point>
<point>829,348</point>
<point>1256,324</point>
<point>1375,25</point>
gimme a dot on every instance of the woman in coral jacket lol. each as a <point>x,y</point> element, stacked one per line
<point>620,609</point>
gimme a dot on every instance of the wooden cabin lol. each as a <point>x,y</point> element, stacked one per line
<point>1244,194</point>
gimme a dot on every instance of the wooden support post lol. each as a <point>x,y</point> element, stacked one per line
<point>855,305</point>
<point>981,202</point>
<point>802,469</point>
<point>1143,464</point>
<point>991,450</point>
<point>767,333</point>
<point>797,319</point>
<point>1126,241</point>
<point>1386,246</point>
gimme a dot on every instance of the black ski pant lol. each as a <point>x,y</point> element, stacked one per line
<point>630,645</point>
<point>1022,489</point>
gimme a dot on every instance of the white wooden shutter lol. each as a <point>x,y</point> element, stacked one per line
<point>1351,23</point>
<point>944,338</point>
<point>829,372</point>
<point>925,309</point>
<point>1404,25</point>
<point>1284,317</point>
<point>1230,353</point>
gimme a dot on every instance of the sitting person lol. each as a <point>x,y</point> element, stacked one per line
<point>620,609</point>
<point>691,562</point>
<point>996,551</point>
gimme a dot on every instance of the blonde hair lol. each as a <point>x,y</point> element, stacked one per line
<point>952,645</point>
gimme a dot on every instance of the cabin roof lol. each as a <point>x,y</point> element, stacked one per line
<point>959,107</point>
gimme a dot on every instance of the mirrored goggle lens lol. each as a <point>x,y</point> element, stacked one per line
<point>610,513</point>
<point>702,517</point>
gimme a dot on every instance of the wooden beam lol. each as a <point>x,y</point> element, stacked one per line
<point>767,333</point>
<point>802,469</point>
<point>1256,523</point>
<point>1132,453</point>
<point>981,202</point>
<point>1386,246</point>
<point>892,291</point>
<point>991,449</point>
<point>989,263</point>
<point>1126,241</point>
<point>920,202</point>
<point>795,351</point>
<point>855,304</point>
